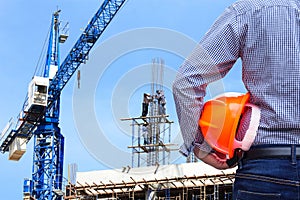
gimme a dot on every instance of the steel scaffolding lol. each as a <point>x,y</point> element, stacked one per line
<point>151,140</point>
<point>151,132</point>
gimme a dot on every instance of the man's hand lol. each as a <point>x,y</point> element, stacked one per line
<point>213,159</point>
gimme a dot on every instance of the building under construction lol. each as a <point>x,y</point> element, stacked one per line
<point>163,182</point>
<point>151,176</point>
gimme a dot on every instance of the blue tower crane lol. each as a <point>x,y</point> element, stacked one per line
<point>39,117</point>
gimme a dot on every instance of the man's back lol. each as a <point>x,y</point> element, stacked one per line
<point>265,34</point>
<point>270,51</point>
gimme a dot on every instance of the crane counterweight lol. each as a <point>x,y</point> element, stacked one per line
<point>17,149</point>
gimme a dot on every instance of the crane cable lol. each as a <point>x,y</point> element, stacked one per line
<point>42,55</point>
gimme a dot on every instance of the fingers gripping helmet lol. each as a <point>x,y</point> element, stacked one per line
<point>219,122</point>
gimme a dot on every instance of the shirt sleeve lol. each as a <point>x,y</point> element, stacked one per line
<point>211,60</point>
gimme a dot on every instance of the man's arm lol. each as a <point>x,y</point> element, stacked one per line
<point>210,61</point>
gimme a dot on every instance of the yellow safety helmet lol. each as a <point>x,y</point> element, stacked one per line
<point>220,119</point>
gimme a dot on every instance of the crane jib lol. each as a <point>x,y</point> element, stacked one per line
<point>79,52</point>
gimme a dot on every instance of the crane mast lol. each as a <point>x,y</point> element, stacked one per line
<point>48,152</point>
<point>39,117</point>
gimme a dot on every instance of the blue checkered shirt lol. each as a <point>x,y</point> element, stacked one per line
<point>265,35</point>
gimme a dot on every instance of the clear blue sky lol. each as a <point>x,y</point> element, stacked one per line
<point>24,26</point>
